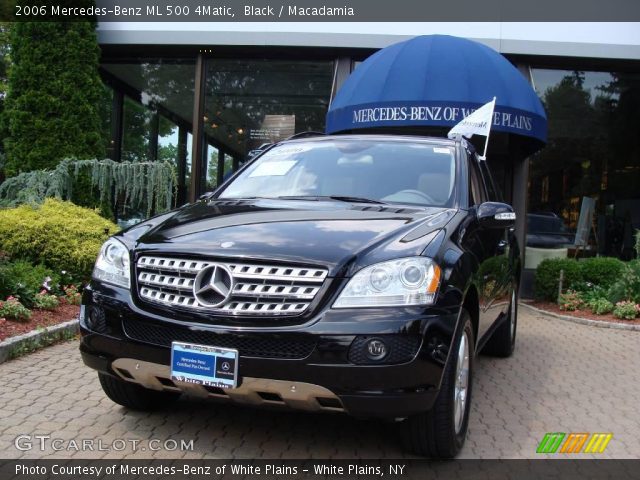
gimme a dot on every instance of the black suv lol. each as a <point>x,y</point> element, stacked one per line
<point>351,273</point>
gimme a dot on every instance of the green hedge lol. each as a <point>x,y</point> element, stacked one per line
<point>23,280</point>
<point>602,274</point>
<point>627,286</point>
<point>57,234</point>
<point>601,271</point>
<point>548,274</point>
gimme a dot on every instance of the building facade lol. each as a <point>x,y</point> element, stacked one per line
<point>203,95</point>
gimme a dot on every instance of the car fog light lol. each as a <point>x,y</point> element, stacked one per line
<point>376,349</point>
<point>96,319</point>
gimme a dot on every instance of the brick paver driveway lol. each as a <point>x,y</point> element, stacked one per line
<point>564,377</point>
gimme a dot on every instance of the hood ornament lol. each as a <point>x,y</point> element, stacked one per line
<point>213,285</point>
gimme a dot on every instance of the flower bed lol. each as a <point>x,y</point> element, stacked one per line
<point>39,319</point>
<point>596,288</point>
<point>581,313</point>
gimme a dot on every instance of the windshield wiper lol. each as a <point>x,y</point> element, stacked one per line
<point>355,199</point>
<point>242,198</point>
<point>340,198</point>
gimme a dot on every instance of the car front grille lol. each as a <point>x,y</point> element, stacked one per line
<point>255,289</point>
<point>291,347</point>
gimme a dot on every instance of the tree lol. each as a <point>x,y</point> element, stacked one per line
<point>571,162</point>
<point>5,64</point>
<point>54,93</point>
<point>5,60</point>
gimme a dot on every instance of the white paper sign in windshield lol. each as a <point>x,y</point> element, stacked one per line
<point>273,169</point>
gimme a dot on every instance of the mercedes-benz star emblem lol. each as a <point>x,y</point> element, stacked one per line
<point>226,366</point>
<point>213,285</point>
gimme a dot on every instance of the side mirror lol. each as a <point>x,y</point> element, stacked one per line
<point>496,215</point>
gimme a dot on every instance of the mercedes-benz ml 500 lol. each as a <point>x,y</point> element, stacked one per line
<point>350,273</point>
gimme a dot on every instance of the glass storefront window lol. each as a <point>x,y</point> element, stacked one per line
<point>136,126</point>
<point>157,112</point>
<point>105,110</point>
<point>158,99</point>
<point>187,175</point>
<point>592,150</point>
<point>212,167</point>
<point>251,102</point>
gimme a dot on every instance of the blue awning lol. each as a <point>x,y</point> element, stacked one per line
<point>435,81</point>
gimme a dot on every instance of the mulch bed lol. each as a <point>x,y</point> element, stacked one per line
<point>39,318</point>
<point>554,308</point>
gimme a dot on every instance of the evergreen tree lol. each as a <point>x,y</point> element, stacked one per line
<point>54,95</point>
<point>5,65</point>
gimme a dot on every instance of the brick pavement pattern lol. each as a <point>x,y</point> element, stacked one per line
<point>563,377</point>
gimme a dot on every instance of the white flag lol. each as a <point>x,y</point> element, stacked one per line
<point>477,123</point>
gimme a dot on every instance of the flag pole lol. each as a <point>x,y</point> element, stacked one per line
<point>486,142</point>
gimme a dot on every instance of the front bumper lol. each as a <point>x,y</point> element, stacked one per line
<point>328,376</point>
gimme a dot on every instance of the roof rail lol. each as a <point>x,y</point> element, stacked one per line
<point>306,134</point>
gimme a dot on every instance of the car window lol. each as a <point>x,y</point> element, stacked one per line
<point>392,171</point>
<point>493,193</point>
<point>478,193</point>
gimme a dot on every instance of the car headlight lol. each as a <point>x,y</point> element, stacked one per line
<point>112,265</point>
<point>401,282</point>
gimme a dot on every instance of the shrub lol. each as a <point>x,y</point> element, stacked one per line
<point>148,186</point>
<point>591,292</point>
<point>45,301</point>
<point>570,301</point>
<point>23,280</point>
<point>626,310</point>
<point>600,306</point>
<point>58,234</point>
<point>601,271</point>
<point>627,287</point>
<point>12,309</point>
<point>72,295</point>
<point>548,275</point>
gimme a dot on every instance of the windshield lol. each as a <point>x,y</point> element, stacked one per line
<point>385,171</point>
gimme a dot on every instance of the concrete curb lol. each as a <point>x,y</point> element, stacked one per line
<point>43,337</point>
<point>584,321</point>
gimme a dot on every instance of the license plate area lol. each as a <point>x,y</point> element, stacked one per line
<point>204,365</point>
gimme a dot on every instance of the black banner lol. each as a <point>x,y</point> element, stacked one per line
<point>321,10</point>
<point>317,469</point>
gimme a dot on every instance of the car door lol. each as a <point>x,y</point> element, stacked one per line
<point>493,261</point>
<point>503,253</point>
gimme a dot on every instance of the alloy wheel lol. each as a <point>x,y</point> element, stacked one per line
<point>461,389</point>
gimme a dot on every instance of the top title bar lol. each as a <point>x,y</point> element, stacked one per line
<point>321,10</point>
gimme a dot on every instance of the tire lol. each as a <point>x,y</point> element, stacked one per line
<point>134,396</point>
<point>503,341</point>
<point>440,433</point>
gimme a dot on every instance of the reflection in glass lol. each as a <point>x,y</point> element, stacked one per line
<point>252,102</point>
<point>594,126</point>
<point>157,112</point>
<point>136,121</point>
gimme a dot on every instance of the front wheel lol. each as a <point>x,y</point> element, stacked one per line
<point>441,432</point>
